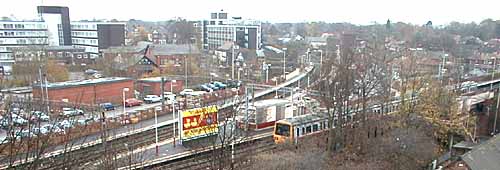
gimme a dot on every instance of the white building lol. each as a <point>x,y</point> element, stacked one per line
<point>19,34</point>
<point>54,28</point>
<point>220,29</point>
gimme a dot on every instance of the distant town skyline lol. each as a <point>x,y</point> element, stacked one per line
<point>353,11</point>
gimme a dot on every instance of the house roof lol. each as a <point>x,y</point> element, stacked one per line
<point>174,49</point>
<point>76,83</point>
<point>126,49</point>
<point>484,157</point>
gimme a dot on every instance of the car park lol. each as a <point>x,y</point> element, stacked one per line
<point>152,99</point>
<point>107,106</point>
<point>132,102</point>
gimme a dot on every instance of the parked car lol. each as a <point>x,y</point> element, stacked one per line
<point>19,121</point>
<point>53,128</point>
<point>26,133</point>
<point>219,84</point>
<point>71,112</point>
<point>40,131</point>
<point>132,102</point>
<point>233,83</point>
<point>65,124</point>
<point>206,88</point>
<point>107,106</point>
<point>152,99</point>
<point>213,87</point>
<point>186,92</point>
<point>169,97</point>
<point>39,116</point>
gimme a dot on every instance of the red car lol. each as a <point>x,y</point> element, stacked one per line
<point>132,102</point>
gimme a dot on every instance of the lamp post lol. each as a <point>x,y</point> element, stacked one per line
<point>123,91</point>
<point>156,128</point>
<point>239,72</point>
<point>173,106</point>
<point>284,63</point>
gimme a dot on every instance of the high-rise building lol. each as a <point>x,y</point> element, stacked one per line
<point>220,29</point>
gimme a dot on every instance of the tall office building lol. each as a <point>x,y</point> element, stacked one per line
<point>220,29</point>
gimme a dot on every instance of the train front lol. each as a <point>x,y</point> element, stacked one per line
<point>282,132</point>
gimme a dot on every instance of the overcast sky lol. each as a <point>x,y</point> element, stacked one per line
<point>353,11</point>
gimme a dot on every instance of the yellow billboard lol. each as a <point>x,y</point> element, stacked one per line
<point>199,122</point>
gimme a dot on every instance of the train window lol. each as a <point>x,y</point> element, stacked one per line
<point>315,127</point>
<point>282,129</point>
<point>297,132</point>
<point>308,129</point>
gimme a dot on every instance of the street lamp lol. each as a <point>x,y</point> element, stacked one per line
<point>284,62</point>
<point>173,105</point>
<point>239,72</point>
<point>123,91</point>
<point>156,128</point>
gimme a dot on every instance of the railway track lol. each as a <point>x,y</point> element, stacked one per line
<point>74,159</point>
<point>204,159</point>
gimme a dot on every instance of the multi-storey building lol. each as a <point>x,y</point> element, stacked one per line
<point>19,34</point>
<point>220,29</point>
<point>54,28</point>
<point>94,36</point>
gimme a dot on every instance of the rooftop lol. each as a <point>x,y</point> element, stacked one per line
<point>156,79</point>
<point>174,49</point>
<point>302,119</point>
<point>270,102</point>
<point>50,48</point>
<point>484,156</point>
<point>75,83</point>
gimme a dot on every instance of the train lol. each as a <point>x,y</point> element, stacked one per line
<point>294,128</point>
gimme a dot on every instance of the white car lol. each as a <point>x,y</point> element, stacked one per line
<point>152,99</point>
<point>186,92</point>
<point>71,112</point>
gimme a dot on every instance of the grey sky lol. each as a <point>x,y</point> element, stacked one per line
<point>354,11</point>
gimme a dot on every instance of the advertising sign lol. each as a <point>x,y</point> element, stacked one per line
<point>199,122</point>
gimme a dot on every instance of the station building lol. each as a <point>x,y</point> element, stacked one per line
<point>87,92</point>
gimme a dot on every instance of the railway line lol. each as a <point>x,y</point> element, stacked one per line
<point>204,158</point>
<point>78,155</point>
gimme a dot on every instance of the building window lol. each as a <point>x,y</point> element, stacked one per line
<point>6,26</point>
